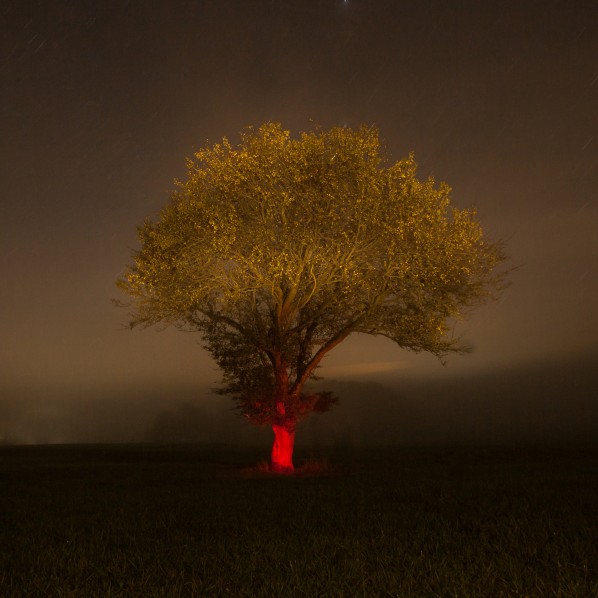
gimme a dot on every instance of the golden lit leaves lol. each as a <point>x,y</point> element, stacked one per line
<point>313,233</point>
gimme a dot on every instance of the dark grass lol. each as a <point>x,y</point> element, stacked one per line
<point>204,521</point>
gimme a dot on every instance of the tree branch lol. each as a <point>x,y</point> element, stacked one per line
<point>338,338</point>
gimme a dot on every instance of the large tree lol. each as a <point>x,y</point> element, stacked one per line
<point>277,249</point>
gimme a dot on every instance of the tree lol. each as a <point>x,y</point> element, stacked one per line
<point>276,250</point>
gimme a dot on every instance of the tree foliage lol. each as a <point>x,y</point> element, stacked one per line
<point>277,249</point>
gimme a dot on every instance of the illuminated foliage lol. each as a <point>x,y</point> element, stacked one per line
<point>277,249</point>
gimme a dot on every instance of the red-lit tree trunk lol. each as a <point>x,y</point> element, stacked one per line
<point>281,460</point>
<point>282,449</point>
<point>283,426</point>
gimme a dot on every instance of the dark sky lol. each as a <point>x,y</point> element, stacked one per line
<point>101,101</point>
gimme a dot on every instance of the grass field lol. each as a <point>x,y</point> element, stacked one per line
<point>128,520</point>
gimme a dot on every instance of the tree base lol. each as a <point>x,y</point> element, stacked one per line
<point>277,468</point>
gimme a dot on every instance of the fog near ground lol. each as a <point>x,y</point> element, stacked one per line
<point>538,404</point>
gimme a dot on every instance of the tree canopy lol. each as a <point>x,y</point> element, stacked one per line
<point>277,249</point>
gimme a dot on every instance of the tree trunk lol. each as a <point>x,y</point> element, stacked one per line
<point>282,449</point>
<point>284,424</point>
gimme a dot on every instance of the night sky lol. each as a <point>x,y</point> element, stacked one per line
<point>102,101</point>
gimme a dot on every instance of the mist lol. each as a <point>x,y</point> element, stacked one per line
<point>540,403</point>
